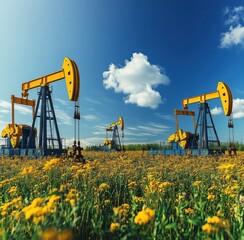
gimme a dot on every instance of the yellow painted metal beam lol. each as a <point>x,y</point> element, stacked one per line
<point>22,101</point>
<point>71,74</point>
<point>223,92</point>
<point>42,81</point>
<point>225,97</point>
<point>119,122</point>
<point>184,113</point>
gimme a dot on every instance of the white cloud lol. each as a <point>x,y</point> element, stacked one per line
<point>6,108</point>
<point>86,141</point>
<point>163,116</point>
<point>238,108</point>
<point>4,111</point>
<point>63,117</point>
<point>88,117</point>
<point>234,16</point>
<point>216,111</point>
<point>150,129</point>
<point>63,102</point>
<point>234,36</point>
<point>235,33</point>
<point>154,128</point>
<point>137,79</point>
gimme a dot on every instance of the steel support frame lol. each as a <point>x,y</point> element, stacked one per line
<point>203,126</point>
<point>116,139</point>
<point>45,98</point>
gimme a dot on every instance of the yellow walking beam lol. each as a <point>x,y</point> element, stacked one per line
<point>119,122</point>
<point>71,74</point>
<point>223,92</point>
<point>185,113</point>
<point>22,101</point>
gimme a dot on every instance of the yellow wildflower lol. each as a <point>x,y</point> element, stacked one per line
<point>17,200</point>
<point>5,206</point>
<point>37,202</point>
<point>197,183</point>
<point>214,220</point>
<point>52,199</point>
<point>66,235</point>
<point>49,234</point>
<point>227,177</point>
<point>114,227</point>
<point>36,211</point>
<point>138,199</point>
<point>3,213</point>
<point>13,189</point>
<point>208,228</point>
<point>63,187</point>
<point>214,187</point>
<point>217,221</point>
<point>73,194</point>
<point>74,167</point>
<point>16,214</point>
<point>226,166</point>
<point>27,170</point>
<point>219,213</point>
<point>231,190</point>
<point>51,164</point>
<point>72,202</point>
<point>107,201</point>
<point>122,211</point>
<point>38,219</point>
<point>51,204</point>
<point>103,187</point>
<point>189,211</point>
<point>165,184</point>
<point>211,196</point>
<point>132,185</point>
<point>144,216</point>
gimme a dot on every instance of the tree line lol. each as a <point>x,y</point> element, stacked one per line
<point>158,146</point>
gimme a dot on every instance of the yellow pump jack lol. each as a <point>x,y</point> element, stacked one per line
<point>188,139</point>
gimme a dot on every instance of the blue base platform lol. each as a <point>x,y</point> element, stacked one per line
<point>31,153</point>
<point>181,152</point>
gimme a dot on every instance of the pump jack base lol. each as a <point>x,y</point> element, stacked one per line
<point>188,152</point>
<point>31,153</point>
<point>79,159</point>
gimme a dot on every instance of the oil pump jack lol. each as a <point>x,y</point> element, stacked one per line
<point>21,137</point>
<point>115,143</point>
<point>201,141</point>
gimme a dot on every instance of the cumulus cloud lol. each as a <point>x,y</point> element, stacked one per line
<point>238,108</point>
<point>234,36</point>
<point>235,23</point>
<point>137,80</point>
<point>216,111</point>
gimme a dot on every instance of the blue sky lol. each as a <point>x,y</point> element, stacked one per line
<point>137,59</point>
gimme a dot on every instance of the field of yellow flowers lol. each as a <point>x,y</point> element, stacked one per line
<point>127,195</point>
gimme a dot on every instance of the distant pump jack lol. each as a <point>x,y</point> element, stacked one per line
<point>115,143</point>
